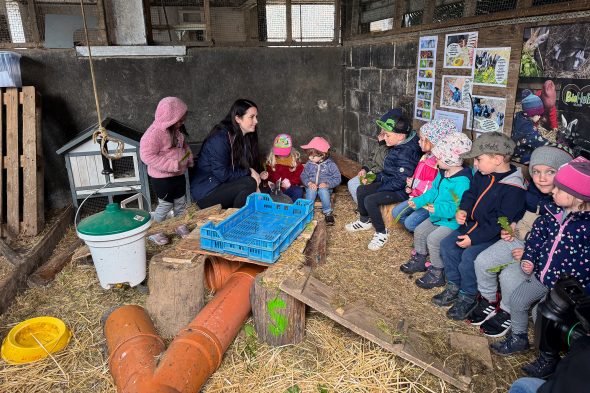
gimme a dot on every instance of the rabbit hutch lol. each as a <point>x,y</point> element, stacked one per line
<point>105,180</point>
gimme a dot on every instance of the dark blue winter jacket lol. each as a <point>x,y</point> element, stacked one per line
<point>214,166</point>
<point>399,164</point>
<point>490,197</point>
<point>526,137</point>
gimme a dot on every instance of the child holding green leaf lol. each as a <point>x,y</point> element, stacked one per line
<point>441,202</point>
<point>492,313</point>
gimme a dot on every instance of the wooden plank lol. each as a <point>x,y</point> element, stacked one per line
<point>476,346</point>
<point>367,323</point>
<point>12,164</point>
<point>47,272</point>
<point>32,223</point>
<point>315,248</point>
<point>348,168</point>
<point>1,168</point>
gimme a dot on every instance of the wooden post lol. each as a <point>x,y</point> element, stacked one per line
<point>176,291</point>
<point>103,36</point>
<point>279,318</point>
<point>12,158</point>
<point>289,21</point>
<point>207,10</point>
<point>429,6</point>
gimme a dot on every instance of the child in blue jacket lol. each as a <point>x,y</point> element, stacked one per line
<point>525,128</point>
<point>320,175</point>
<point>442,202</point>
<point>497,189</point>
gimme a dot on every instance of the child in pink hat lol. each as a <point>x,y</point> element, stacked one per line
<point>283,164</point>
<point>320,175</point>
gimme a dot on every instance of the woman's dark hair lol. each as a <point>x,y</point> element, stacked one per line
<point>244,148</point>
<point>173,138</point>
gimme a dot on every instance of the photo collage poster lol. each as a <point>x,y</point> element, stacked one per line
<point>425,78</point>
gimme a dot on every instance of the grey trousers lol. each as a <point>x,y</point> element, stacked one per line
<point>510,277</point>
<point>528,292</point>
<point>427,238</point>
<point>163,208</point>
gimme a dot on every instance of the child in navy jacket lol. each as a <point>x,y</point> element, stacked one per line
<point>497,189</point>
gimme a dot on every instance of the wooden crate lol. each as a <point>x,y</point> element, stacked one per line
<point>21,177</point>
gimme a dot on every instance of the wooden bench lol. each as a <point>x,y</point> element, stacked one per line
<point>349,169</point>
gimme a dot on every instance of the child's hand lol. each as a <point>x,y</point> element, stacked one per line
<point>264,175</point>
<point>255,176</point>
<point>517,253</point>
<point>409,181</point>
<point>412,204</point>
<point>408,190</point>
<point>430,208</point>
<point>505,235</point>
<point>461,217</point>
<point>312,186</point>
<point>527,267</point>
<point>286,183</point>
<point>362,173</point>
<point>464,241</point>
<point>323,185</point>
<point>364,181</point>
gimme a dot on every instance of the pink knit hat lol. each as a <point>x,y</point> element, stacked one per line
<point>169,111</point>
<point>282,145</point>
<point>318,143</point>
<point>574,178</point>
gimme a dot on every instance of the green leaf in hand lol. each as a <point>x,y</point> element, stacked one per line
<point>503,221</point>
<point>499,268</point>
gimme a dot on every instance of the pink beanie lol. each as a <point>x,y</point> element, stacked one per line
<point>318,143</point>
<point>169,111</point>
<point>574,178</point>
<point>282,145</point>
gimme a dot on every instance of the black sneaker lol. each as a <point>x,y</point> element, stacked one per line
<point>434,277</point>
<point>462,307</point>
<point>543,366</point>
<point>329,218</point>
<point>513,343</point>
<point>416,263</point>
<point>482,312</point>
<point>448,296</point>
<point>498,325</point>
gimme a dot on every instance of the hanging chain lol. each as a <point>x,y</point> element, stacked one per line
<point>101,135</point>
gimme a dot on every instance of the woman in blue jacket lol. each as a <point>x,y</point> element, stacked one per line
<point>225,172</point>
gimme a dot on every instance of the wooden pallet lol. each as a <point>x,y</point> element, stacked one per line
<point>21,201</point>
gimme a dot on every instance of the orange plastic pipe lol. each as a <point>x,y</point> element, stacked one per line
<point>193,355</point>
<point>218,271</point>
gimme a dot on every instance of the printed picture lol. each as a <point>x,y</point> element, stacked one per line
<point>491,66</point>
<point>426,63</point>
<point>428,74</point>
<point>488,114</point>
<point>455,92</point>
<point>428,43</point>
<point>561,51</point>
<point>423,85</point>
<point>426,54</point>
<point>459,49</point>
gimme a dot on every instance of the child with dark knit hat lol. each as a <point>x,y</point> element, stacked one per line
<point>525,128</point>
<point>283,165</point>
<point>558,246</point>
<point>548,96</point>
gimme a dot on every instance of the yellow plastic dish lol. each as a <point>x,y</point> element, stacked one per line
<point>20,346</point>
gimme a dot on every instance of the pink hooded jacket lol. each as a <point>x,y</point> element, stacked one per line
<point>155,150</point>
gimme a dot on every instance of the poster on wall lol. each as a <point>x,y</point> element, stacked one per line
<point>488,114</point>
<point>455,92</point>
<point>561,51</point>
<point>459,49</point>
<point>425,78</point>
<point>491,66</point>
<point>574,105</point>
<point>455,117</point>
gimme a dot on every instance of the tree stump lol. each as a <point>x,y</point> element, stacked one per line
<point>279,319</point>
<point>176,290</point>
<point>388,219</point>
<point>315,250</point>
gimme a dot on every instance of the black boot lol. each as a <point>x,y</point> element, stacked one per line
<point>417,263</point>
<point>543,366</point>
<point>434,277</point>
<point>448,296</point>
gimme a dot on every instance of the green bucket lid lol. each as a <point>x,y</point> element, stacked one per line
<point>113,220</point>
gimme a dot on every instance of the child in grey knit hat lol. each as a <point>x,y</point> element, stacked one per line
<point>492,315</point>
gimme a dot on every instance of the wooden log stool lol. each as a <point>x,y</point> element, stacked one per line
<point>176,286</point>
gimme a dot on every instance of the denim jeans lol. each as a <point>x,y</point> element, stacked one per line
<point>460,262</point>
<point>294,192</point>
<point>410,218</point>
<point>526,385</point>
<point>324,194</point>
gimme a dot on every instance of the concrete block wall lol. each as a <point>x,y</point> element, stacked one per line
<point>377,77</point>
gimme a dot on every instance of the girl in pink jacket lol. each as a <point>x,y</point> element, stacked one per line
<point>164,150</point>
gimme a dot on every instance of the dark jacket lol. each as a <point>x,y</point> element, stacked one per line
<point>572,371</point>
<point>526,137</point>
<point>560,246</point>
<point>214,166</point>
<point>399,164</point>
<point>375,164</point>
<point>536,200</point>
<point>323,172</point>
<point>490,197</point>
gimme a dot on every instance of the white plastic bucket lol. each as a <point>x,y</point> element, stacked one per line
<point>119,258</point>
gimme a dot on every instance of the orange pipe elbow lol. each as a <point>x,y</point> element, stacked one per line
<point>218,271</point>
<point>193,355</point>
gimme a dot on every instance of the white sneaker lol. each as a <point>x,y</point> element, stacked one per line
<point>378,241</point>
<point>358,225</point>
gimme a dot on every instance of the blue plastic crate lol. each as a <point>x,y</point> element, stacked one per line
<point>261,230</point>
